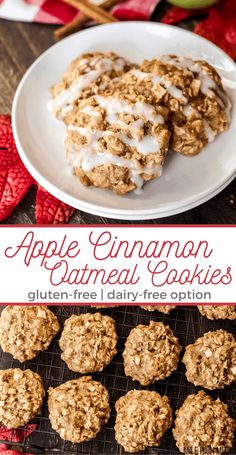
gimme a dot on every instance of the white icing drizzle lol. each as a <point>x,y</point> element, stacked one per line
<point>206,82</point>
<point>90,156</point>
<point>158,80</point>
<point>114,107</point>
<point>65,99</point>
<point>209,132</point>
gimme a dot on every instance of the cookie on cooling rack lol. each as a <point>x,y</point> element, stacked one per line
<point>21,397</point>
<point>163,309</point>
<point>87,75</point>
<point>218,311</point>
<point>151,353</point>
<point>203,425</point>
<point>193,92</point>
<point>211,361</point>
<point>142,419</point>
<point>78,409</point>
<point>27,330</point>
<point>88,342</point>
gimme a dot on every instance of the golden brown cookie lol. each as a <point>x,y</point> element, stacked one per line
<point>87,75</point>
<point>218,311</point>
<point>163,309</point>
<point>142,419</point>
<point>151,353</point>
<point>88,342</point>
<point>198,104</point>
<point>78,409</point>
<point>21,397</point>
<point>211,361</point>
<point>27,330</point>
<point>203,423</point>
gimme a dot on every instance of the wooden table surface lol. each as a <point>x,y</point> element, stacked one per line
<point>20,45</point>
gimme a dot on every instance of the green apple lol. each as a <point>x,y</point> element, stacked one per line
<point>193,4</point>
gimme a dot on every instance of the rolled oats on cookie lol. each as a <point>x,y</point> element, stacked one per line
<point>193,92</point>
<point>211,361</point>
<point>203,425</point>
<point>163,309</point>
<point>218,311</point>
<point>88,342</point>
<point>27,330</point>
<point>142,419</point>
<point>21,397</point>
<point>78,409</point>
<point>87,75</point>
<point>118,140</point>
<point>151,353</point>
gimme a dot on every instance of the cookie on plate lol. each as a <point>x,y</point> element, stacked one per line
<point>87,75</point>
<point>203,425</point>
<point>218,311</point>
<point>211,361</point>
<point>21,397</point>
<point>142,419</point>
<point>151,353</point>
<point>88,342</point>
<point>27,330</point>
<point>78,409</point>
<point>117,141</point>
<point>198,104</point>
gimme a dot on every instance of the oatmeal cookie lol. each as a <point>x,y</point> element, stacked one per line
<point>163,309</point>
<point>218,311</point>
<point>151,353</point>
<point>142,419</point>
<point>198,104</point>
<point>88,342</point>
<point>89,74</point>
<point>203,423</point>
<point>117,141</point>
<point>211,361</point>
<point>21,397</point>
<point>27,330</point>
<point>78,409</point>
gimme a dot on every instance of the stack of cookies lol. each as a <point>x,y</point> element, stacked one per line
<point>122,118</point>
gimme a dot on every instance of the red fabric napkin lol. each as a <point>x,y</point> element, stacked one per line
<point>59,12</point>
<point>11,436</point>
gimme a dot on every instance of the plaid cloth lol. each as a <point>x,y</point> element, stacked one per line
<point>58,12</point>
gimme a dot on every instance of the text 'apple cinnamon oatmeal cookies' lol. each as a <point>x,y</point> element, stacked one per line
<point>21,397</point>
<point>88,342</point>
<point>78,409</point>
<point>203,423</point>
<point>211,361</point>
<point>218,311</point>
<point>27,330</point>
<point>151,353</point>
<point>142,419</point>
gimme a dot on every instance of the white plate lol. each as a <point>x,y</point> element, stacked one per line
<point>186,182</point>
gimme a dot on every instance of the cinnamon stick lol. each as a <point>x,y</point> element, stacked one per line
<point>93,11</point>
<point>79,22</point>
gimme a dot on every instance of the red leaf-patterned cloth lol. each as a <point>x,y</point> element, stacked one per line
<point>17,435</point>
<point>50,210</point>
<point>219,26</point>
<point>15,181</point>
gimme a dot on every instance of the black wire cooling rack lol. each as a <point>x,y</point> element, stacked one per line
<point>187,324</point>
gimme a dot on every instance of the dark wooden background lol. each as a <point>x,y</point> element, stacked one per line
<point>20,45</point>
